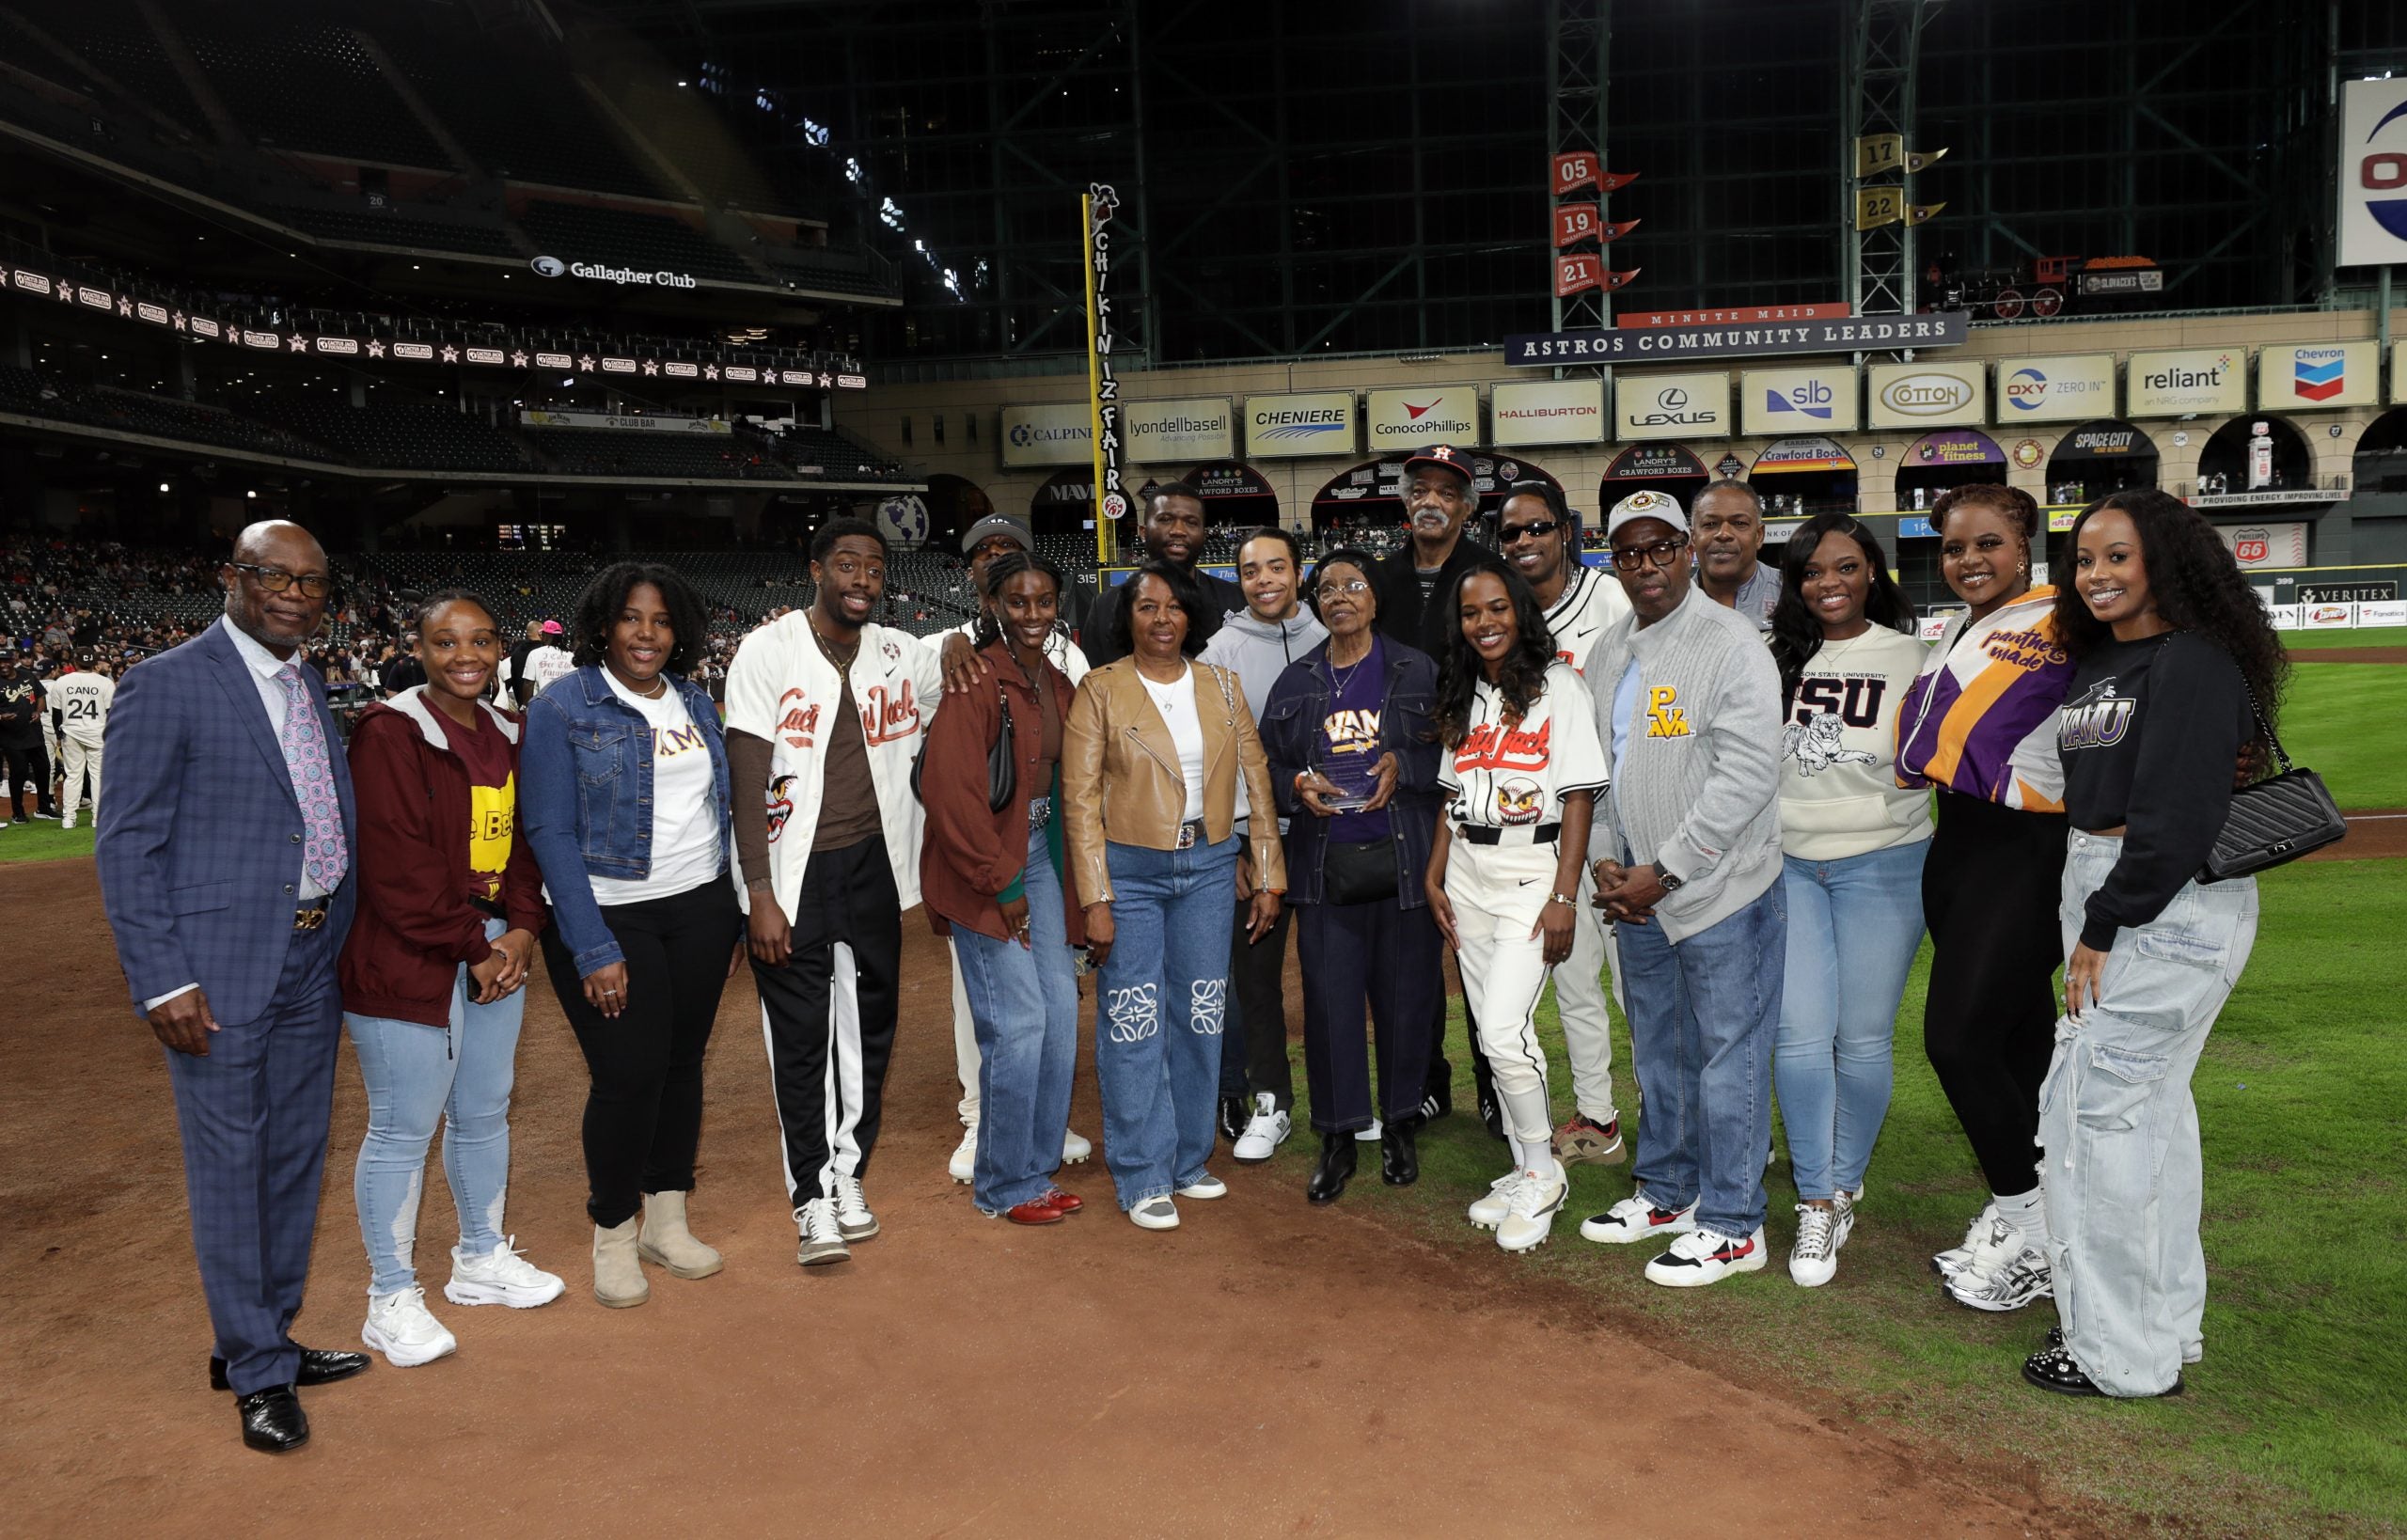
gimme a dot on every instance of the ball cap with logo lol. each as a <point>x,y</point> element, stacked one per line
<point>1644,505</point>
<point>552,628</point>
<point>992,524</point>
<point>1445,455</point>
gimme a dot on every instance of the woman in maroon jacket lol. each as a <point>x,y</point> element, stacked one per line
<point>994,880</point>
<point>449,905</point>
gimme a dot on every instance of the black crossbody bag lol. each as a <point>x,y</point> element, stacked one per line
<point>2277,820</point>
<point>1002,768</point>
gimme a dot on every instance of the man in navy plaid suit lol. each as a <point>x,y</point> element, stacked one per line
<point>223,849</point>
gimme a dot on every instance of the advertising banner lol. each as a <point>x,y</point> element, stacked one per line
<point>1655,463</point>
<point>1291,427</point>
<point>1401,419</point>
<point>2372,193</point>
<point>2067,387</point>
<point>2309,376</point>
<point>1954,447</point>
<point>1547,412</point>
<point>1786,400</point>
<point>1157,432</point>
<point>2192,380</point>
<point>533,417</point>
<point>1925,394</point>
<point>1059,435</point>
<point>2105,439</point>
<point>2254,545</point>
<point>1808,453</point>
<point>2382,612</point>
<point>1227,478</point>
<point>1107,433</point>
<point>2328,617</point>
<point>1737,339</point>
<point>1742,315</point>
<point>1694,406</point>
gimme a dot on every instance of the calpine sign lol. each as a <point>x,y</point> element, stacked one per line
<point>1636,345</point>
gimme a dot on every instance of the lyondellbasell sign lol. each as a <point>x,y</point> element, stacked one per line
<point>553,267</point>
<point>1642,344</point>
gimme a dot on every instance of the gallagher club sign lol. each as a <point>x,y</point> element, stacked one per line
<point>1633,345</point>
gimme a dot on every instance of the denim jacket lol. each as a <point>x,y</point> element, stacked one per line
<point>1291,732</point>
<point>585,797</point>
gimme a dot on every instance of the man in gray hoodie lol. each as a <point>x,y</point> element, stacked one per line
<point>1257,1089</point>
<point>1686,848</point>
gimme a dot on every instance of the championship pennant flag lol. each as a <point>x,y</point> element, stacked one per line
<point>1877,153</point>
<point>1578,222</point>
<point>1586,270</point>
<point>1578,169</point>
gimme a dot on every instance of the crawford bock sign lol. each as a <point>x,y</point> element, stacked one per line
<point>1679,345</point>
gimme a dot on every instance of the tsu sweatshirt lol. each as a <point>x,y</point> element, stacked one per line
<point>1839,794</point>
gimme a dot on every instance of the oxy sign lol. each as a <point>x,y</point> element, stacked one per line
<point>2062,388</point>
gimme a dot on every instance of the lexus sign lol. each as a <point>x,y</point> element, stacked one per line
<point>1672,406</point>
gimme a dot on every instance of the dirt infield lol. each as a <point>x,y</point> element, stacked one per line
<point>2349,655</point>
<point>1266,1368</point>
<point>2375,833</point>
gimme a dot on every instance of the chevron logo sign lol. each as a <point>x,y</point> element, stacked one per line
<point>2318,374</point>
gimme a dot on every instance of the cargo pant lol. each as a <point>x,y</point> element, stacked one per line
<point>2119,1132</point>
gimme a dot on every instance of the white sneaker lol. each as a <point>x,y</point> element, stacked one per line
<point>1814,1261</point>
<point>1530,1220</point>
<point>854,1222</point>
<point>1204,1187</point>
<point>501,1277</point>
<point>2024,1279</point>
<point>401,1328</point>
<point>1490,1211</point>
<point>1368,1136</point>
<point>1076,1151</point>
<point>1990,1251</point>
<point>1949,1263</point>
<point>1154,1214</point>
<point>1706,1256</point>
<point>1264,1131</point>
<point>963,1166</point>
<point>821,1242</point>
<point>1636,1219</point>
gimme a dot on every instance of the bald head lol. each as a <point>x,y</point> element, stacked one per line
<point>267,585</point>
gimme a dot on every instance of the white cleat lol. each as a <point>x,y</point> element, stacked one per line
<point>963,1166</point>
<point>1076,1151</point>
<point>1530,1219</point>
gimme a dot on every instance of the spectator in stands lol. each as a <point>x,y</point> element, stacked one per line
<point>513,666</point>
<point>626,803</point>
<point>1727,528</point>
<point>549,660</point>
<point>406,672</point>
<point>1151,760</point>
<point>1172,532</point>
<point>1353,757</point>
<point>1257,643</point>
<point>449,905</point>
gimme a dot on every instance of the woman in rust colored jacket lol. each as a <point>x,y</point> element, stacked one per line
<point>994,880</point>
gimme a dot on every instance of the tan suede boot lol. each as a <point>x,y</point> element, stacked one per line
<point>618,1277</point>
<point>669,1243</point>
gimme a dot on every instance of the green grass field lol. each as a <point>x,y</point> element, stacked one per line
<point>2393,635</point>
<point>2348,722</point>
<point>44,841</point>
<point>2297,1420</point>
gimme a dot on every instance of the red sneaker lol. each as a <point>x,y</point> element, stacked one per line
<point>1066,1203</point>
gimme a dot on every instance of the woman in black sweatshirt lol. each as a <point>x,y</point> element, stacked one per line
<point>2176,671</point>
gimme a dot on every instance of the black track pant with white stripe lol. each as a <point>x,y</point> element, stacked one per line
<point>829,1017</point>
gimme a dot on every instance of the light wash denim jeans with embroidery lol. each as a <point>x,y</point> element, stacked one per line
<point>2120,1131</point>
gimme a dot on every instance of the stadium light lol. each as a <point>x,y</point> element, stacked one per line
<point>163,486</point>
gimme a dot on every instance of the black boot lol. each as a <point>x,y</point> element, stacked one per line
<point>1336,1169</point>
<point>1234,1110</point>
<point>1399,1154</point>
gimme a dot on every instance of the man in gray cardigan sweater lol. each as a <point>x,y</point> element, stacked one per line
<point>1686,845</point>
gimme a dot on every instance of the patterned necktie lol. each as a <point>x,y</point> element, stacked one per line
<point>303,741</point>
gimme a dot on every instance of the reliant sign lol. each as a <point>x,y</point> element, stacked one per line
<point>1547,412</point>
<point>2309,376</point>
<point>1694,406</point>
<point>1402,420</point>
<point>1160,431</point>
<point>1678,344</point>
<point>2070,387</point>
<point>1814,397</point>
<point>1048,436</point>
<point>1925,395</point>
<point>1290,427</point>
<point>2192,382</point>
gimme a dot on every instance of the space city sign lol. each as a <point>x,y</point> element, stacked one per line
<point>1638,345</point>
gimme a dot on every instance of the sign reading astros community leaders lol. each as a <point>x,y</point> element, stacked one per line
<point>1290,427</point>
<point>1547,412</point>
<point>1679,344</point>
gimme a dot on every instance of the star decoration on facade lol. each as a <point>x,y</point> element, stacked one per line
<point>519,360</point>
<point>650,367</point>
<point>125,305</point>
<point>375,347</point>
<point>450,354</point>
<point>826,382</point>
<point>176,318</point>
<point>66,292</point>
<point>299,343</point>
<point>585,362</point>
<point>710,371</point>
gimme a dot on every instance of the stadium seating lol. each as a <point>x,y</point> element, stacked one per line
<point>522,118</point>
<point>390,227</point>
<point>575,232</point>
<point>134,412</point>
<point>296,86</point>
<point>114,40</point>
<point>399,436</point>
<point>600,452</point>
<point>838,455</point>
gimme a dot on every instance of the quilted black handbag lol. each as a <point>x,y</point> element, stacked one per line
<point>1002,769</point>
<point>2277,820</point>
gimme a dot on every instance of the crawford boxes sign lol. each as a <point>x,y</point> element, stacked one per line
<point>1679,345</point>
<point>1402,420</point>
<point>1672,406</point>
<point>1547,412</point>
<point>2194,381</point>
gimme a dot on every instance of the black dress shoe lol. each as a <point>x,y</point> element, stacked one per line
<point>1335,1170</point>
<point>1399,1153</point>
<point>2054,1370</point>
<point>319,1366</point>
<point>1236,1112</point>
<point>272,1421</point>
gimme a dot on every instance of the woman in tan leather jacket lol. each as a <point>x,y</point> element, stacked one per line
<point>1151,758</point>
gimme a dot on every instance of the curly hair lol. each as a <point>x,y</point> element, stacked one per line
<point>2194,584</point>
<point>999,571</point>
<point>2018,506</point>
<point>1184,589</point>
<point>599,606</point>
<point>1795,634</point>
<point>1521,681</point>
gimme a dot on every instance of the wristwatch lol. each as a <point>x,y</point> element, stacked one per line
<point>1671,884</point>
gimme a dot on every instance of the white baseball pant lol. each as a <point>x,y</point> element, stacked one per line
<point>1580,1006</point>
<point>79,758</point>
<point>965,1041</point>
<point>1496,893</point>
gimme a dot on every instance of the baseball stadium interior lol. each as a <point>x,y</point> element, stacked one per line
<point>495,293</point>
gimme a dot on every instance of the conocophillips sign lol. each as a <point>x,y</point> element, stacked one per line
<point>1436,415</point>
<point>552,267</point>
<point>1289,427</point>
<point>1925,395</point>
<point>2192,379</point>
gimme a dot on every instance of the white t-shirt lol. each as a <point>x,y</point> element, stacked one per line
<point>545,664</point>
<point>1176,704</point>
<point>685,848</point>
<point>83,698</point>
<point>1515,775</point>
<point>1058,649</point>
<point>1838,783</point>
<point>1591,600</point>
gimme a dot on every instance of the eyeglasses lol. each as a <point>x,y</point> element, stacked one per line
<point>1337,590</point>
<point>276,580</point>
<point>1509,533</point>
<point>1629,558</point>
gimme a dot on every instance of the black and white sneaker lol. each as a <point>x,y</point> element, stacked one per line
<point>1436,1102</point>
<point>1636,1219</point>
<point>2024,1279</point>
<point>1707,1256</point>
<point>1949,1263</point>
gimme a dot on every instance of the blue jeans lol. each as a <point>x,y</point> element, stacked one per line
<point>1159,1002</point>
<point>416,1075</point>
<point>1702,1018</point>
<point>1853,925</point>
<point>1024,1008</point>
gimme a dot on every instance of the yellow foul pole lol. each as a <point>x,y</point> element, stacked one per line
<point>1094,381</point>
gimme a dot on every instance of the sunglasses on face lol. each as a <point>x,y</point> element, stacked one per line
<point>1539,530</point>
<point>1629,558</point>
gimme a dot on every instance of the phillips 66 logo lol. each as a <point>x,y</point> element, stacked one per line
<point>2373,172</point>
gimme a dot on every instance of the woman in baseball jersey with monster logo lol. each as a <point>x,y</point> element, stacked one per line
<point>1522,763</point>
